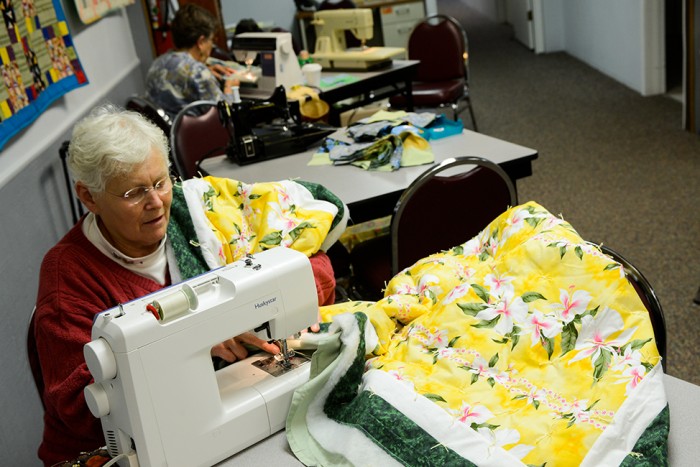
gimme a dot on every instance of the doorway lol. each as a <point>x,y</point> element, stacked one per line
<point>674,49</point>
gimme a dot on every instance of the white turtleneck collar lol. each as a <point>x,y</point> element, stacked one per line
<point>153,266</point>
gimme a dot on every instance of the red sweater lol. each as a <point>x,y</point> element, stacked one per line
<point>76,282</point>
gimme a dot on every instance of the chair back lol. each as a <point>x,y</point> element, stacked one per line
<point>647,295</point>
<point>151,111</point>
<point>33,358</point>
<point>440,210</point>
<point>197,134</point>
<point>440,43</point>
<point>76,207</point>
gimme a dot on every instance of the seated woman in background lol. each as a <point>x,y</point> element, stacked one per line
<point>119,251</point>
<point>181,76</point>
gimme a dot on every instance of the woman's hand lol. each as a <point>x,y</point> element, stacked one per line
<point>220,71</point>
<point>234,349</point>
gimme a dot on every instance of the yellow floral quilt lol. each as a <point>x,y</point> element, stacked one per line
<point>233,218</point>
<point>523,346</point>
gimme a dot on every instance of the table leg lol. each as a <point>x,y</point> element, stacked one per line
<point>409,95</point>
<point>302,32</point>
<point>334,117</point>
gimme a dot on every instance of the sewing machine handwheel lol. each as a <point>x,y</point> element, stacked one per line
<point>100,360</point>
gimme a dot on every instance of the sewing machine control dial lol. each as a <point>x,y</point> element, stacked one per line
<point>97,399</point>
<point>100,360</point>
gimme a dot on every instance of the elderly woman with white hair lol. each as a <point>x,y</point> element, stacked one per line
<point>117,252</point>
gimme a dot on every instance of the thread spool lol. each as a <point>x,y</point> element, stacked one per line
<point>176,304</point>
<point>236,95</point>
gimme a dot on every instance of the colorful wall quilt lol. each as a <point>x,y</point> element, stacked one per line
<point>92,10</point>
<point>38,62</point>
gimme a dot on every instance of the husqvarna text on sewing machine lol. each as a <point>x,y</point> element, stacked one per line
<point>161,401</point>
<point>331,50</point>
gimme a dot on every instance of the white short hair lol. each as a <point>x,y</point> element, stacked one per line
<point>110,142</point>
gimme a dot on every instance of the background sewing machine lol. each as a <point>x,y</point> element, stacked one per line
<point>278,62</point>
<point>331,50</point>
<point>161,401</point>
<point>261,130</point>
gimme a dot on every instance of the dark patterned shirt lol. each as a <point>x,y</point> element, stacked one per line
<point>176,79</point>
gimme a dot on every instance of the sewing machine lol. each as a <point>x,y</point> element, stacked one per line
<point>159,398</point>
<point>331,50</point>
<point>278,62</point>
<point>262,130</point>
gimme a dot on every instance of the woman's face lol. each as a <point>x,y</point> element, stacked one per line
<point>136,229</point>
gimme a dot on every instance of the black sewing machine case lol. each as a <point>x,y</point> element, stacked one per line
<point>263,130</point>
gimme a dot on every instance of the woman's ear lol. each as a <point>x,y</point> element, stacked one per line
<point>202,42</point>
<point>86,197</point>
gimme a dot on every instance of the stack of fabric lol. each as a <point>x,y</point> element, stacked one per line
<point>387,141</point>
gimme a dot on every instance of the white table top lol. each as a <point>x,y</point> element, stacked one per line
<point>683,441</point>
<point>352,184</point>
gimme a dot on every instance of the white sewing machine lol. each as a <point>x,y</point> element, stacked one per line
<point>278,62</point>
<point>331,50</point>
<point>156,390</point>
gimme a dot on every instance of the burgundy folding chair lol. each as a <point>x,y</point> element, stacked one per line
<point>438,211</point>
<point>442,80</point>
<point>197,133</point>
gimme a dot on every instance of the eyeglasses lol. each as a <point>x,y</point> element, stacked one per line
<point>137,194</point>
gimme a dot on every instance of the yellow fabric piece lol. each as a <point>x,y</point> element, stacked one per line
<point>310,105</point>
<point>525,327</point>
<point>320,158</point>
<point>382,115</point>
<point>416,151</point>
<point>249,218</point>
<point>364,231</point>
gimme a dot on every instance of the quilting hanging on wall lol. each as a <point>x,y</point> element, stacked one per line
<point>38,62</point>
<point>92,10</point>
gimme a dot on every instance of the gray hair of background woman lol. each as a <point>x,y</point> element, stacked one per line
<point>111,142</point>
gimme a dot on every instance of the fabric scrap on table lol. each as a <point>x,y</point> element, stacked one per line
<point>386,141</point>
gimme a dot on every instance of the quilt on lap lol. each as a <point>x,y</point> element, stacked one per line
<point>233,218</point>
<point>523,346</point>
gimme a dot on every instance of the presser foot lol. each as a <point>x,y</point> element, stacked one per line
<point>277,367</point>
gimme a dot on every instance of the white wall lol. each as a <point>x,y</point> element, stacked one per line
<point>34,212</point>
<point>623,39</point>
<point>550,14</point>
<point>492,9</point>
<point>280,13</point>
